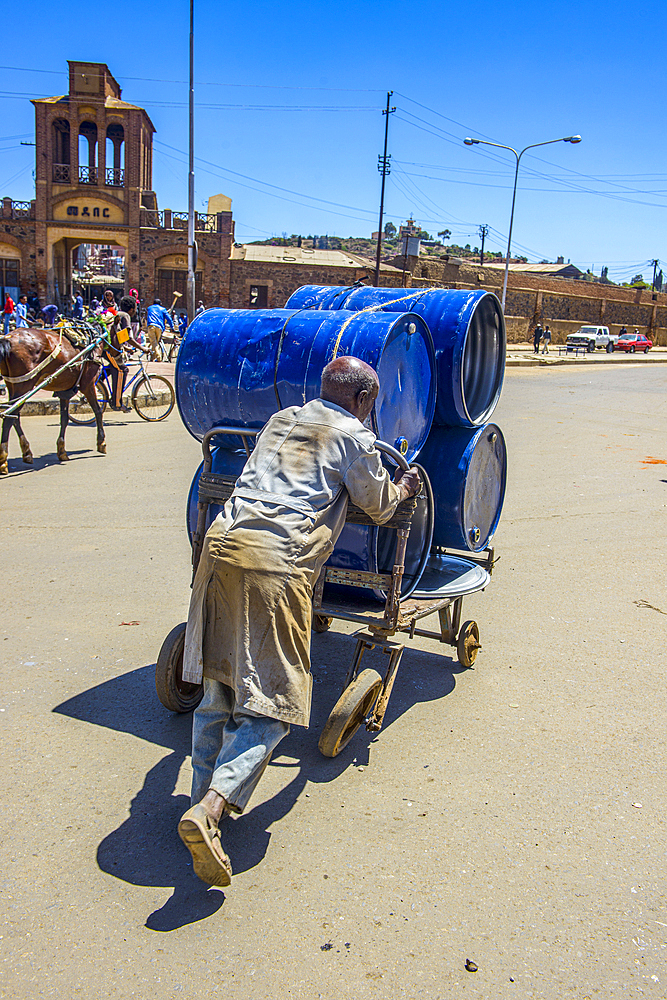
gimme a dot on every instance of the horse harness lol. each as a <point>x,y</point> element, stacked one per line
<point>40,367</point>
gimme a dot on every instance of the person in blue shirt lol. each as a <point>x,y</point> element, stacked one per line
<point>78,306</point>
<point>156,318</point>
<point>22,312</point>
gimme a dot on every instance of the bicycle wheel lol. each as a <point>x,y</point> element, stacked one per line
<point>153,397</point>
<point>102,394</point>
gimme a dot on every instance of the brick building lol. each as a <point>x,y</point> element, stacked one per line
<point>94,158</point>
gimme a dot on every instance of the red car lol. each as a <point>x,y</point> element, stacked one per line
<point>634,342</point>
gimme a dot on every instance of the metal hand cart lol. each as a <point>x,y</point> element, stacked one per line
<point>365,693</point>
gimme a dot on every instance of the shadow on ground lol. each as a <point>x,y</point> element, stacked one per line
<point>145,849</point>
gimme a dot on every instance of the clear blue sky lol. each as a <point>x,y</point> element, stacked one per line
<point>289,94</point>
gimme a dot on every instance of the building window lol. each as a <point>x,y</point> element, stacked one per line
<point>9,278</point>
<point>115,173</point>
<point>87,153</point>
<point>259,296</point>
<point>61,151</point>
<point>169,281</point>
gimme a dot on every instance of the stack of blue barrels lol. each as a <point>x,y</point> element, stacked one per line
<point>440,358</point>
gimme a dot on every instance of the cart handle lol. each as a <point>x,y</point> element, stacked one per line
<point>246,432</point>
<point>243,432</point>
<point>393,453</point>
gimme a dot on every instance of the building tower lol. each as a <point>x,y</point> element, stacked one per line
<point>94,165</point>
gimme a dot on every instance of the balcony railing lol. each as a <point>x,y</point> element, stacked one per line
<point>206,223</point>
<point>115,177</point>
<point>87,175</point>
<point>166,219</point>
<point>20,209</point>
<point>61,173</point>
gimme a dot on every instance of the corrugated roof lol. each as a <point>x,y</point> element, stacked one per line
<point>301,255</point>
<point>532,268</point>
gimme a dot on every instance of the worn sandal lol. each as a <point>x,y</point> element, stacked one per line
<point>199,832</point>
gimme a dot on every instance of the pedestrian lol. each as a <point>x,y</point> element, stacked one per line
<point>137,332</point>
<point>7,313</point>
<point>200,309</point>
<point>157,317</point>
<point>248,630</point>
<point>546,338</point>
<point>94,306</point>
<point>49,313</point>
<point>622,331</point>
<point>22,312</point>
<point>537,336</point>
<point>77,312</point>
<point>109,303</point>
<point>119,335</point>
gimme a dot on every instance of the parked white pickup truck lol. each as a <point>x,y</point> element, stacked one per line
<point>591,337</point>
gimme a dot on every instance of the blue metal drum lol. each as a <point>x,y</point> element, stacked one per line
<point>468,471</point>
<point>358,547</point>
<point>468,329</point>
<point>239,366</point>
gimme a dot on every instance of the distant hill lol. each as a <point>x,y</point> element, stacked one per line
<point>367,247</point>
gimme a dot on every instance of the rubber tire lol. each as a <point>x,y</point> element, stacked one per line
<point>632,350</point>
<point>321,623</point>
<point>349,712</point>
<point>165,386</point>
<point>173,692</point>
<point>610,347</point>
<point>468,631</point>
<point>102,394</point>
<point>591,346</point>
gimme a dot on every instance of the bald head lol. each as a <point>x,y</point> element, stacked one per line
<point>352,384</point>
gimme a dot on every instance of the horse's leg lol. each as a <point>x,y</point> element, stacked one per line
<point>23,441</point>
<point>64,420</point>
<point>4,452</point>
<point>88,389</point>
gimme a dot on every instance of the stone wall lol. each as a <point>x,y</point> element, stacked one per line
<point>564,304</point>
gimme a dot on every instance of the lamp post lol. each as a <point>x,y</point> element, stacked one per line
<point>192,246</point>
<point>476,142</point>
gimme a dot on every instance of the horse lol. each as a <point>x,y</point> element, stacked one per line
<point>28,356</point>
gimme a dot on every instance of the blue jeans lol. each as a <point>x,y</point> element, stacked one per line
<point>231,746</point>
<point>5,321</point>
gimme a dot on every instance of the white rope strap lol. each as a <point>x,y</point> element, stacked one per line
<point>35,371</point>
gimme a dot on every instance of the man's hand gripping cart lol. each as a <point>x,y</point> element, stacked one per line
<point>366,693</point>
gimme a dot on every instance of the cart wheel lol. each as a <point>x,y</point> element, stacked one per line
<point>321,623</point>
<point>467,644</point>
<point>174,693</point>
<point>349,712</point>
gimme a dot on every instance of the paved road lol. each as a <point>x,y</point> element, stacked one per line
<point>512,814</point>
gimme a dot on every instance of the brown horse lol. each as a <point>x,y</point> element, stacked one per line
<point>27,357</point>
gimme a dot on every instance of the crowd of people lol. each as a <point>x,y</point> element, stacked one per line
<point>149,324</point>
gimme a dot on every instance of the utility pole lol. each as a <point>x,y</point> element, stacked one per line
<point>192,246</point>
<point>655,271</point>
<point>483,232</point>
<point>383,167</point>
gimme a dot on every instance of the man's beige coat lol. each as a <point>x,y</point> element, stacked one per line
<point>251,606</point>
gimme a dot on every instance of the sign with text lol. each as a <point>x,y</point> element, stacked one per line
<point>88,210</point>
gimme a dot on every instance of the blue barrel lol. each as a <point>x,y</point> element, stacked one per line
<point>468,329</point>
<point>239,366</point>
<point>468,472</point>
<point>358,547</point>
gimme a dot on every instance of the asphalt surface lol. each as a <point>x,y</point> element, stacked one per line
<point>513,814</point>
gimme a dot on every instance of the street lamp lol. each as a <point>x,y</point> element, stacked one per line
<point>476,142</point>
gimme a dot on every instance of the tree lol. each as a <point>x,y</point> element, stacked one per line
<point>445,234</point>
<point>638,280</point>
<point>390,230</point>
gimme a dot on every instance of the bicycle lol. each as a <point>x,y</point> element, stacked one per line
<point>152,397</point>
